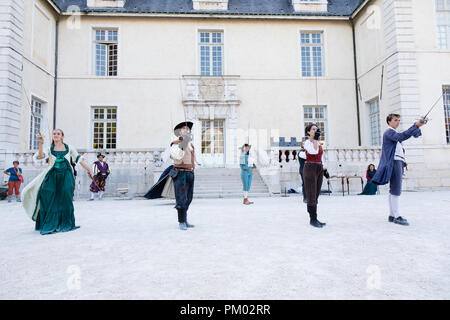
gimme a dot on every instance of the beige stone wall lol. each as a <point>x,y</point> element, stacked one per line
<point>155,53</point>
<point>11,41</point>
<point>433,69</point>
<point>38,65</point>
<point>403,38</point>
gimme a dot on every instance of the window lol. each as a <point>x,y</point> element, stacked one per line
<point>105,46</point>
<point>206,137</point>
<point>312,54</point>
<point>374,121</point>
<point>443,23</point>
<point>35,123</point>
<point>212,136</point>
<point>211,53</point>
<point>446,98</point>
<point>104,127</point>
<point>318,116</point>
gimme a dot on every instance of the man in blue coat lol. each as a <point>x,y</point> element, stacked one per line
<point>392,162</point>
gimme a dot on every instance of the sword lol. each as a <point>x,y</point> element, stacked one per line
<point>93,180</point>
<point>424,118</point>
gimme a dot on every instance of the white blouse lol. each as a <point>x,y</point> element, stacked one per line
<point>309,147</point>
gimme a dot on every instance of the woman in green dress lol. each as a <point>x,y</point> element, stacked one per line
<point>48,198</point>
<point>370,188</point>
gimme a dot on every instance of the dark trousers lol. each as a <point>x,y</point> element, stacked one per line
<point>184,191</point>
<point>395,184</point>
<point>301,168</point>
<point>303,184</point>
<point>313,177</point>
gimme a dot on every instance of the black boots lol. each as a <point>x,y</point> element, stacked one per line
<point>181,215</point>
<point>312,210</point>
<point>182,219</point>
<point>315,223</point>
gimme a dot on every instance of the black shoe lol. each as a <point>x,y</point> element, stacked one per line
<point>391,219</point>
<point>316,223</point>
<point>188,225</point>
<point>183,226</point>
<point>322,223</point>
<point>400,220</point>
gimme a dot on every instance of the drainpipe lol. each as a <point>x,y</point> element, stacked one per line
<point>55,85</point>
<point>356,82</point>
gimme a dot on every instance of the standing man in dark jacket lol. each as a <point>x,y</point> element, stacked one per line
<point>392,163</point>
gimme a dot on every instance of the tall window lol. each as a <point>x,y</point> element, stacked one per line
<point>212,136</point>
<point>443,23</point>
<point>35,123</point>
<point>104,127</point>
<point>374,122</point>
<point>446,97</point>
<point>106,45</point>
<point>318,116</point>
<point>211,53</point>
<point>312,54</point>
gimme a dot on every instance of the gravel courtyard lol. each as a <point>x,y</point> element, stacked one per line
<point>134,250</point>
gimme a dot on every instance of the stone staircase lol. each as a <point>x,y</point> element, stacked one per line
<point>226,183</point>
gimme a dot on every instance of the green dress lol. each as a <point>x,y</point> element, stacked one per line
<point>370,188</point>
<point>55,197</point>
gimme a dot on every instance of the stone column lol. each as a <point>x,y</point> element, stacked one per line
<point>402,87</point>
<point>11,47</point>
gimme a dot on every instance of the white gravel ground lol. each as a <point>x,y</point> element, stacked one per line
<point>134,250</point>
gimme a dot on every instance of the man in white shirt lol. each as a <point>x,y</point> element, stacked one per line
<point>392,163</point>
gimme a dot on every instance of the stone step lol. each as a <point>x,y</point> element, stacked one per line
<point>229,195</point>
<point>231,186</point>
<point>226,183</point>
<point>222,185</point>
<point>228,191</point>
<point>226,186</point>
<point>226,180</point>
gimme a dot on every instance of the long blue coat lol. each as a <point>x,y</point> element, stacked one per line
<point>390,139</point>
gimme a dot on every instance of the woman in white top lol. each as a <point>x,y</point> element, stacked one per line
<point>246,164</point>
<point>313,172</point>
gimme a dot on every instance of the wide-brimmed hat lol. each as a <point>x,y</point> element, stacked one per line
<point>177,128</point>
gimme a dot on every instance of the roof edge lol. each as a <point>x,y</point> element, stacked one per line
<point>359,8</point>
<point>210,15</point>
<point>54,5</point>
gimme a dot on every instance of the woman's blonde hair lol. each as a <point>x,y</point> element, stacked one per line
<point>62,133</point>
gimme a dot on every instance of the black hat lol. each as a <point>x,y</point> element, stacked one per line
<point>100,155</point>
<point>246,145</point>
<point>181,125</point>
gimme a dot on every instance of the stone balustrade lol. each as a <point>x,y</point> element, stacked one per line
<point>346,160</point>
<point>135,169</point>
<point>338,161</point>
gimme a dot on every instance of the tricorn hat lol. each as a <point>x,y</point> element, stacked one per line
<point>100,155</point>
<point>181,125</point>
